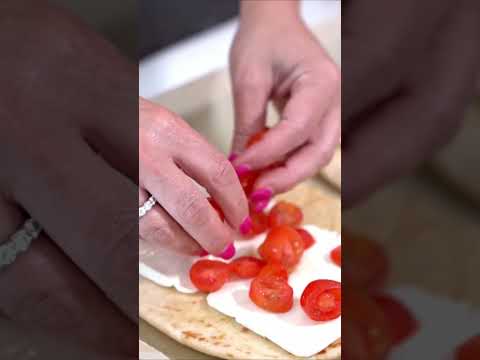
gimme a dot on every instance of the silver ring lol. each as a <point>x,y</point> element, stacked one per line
<point>19,242</point>
<point>146,207</point>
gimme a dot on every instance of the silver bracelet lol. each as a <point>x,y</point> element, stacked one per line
<point>19,242</point>
<point>146,207</point>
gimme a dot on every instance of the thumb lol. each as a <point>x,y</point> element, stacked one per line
<point>251,92</point>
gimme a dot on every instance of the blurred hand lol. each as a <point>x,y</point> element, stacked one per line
<point>68,130</point>
<point>280,60</point>
<point>410,68</point>
<point>171,154</point>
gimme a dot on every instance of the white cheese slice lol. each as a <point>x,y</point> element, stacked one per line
<point>293,331</point>
<point>442,322</point>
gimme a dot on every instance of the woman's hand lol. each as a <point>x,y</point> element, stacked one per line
<point>281,60</point>
<point>405,97</point>
<point>171,155</point>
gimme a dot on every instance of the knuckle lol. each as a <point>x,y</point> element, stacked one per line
<point>194,210</point>
<point>223,173</point>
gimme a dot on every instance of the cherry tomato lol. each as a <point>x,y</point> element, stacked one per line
<point>259,224</point>
<point>257,137</point>
<point>470,350</point>
<point>401,321</point>
<point>271,294</point>
<point>217,208</point>
<point>248,181</point>
<point>285,213</point>
<point>283,245</point>
<point>209,275</point>
<point>336,255</point>
<point>365,329</point>
<point>308,240</point>
<point>322,300</point>
<point>274,270</point>
<point>246,267</point>
<point>366,264</point>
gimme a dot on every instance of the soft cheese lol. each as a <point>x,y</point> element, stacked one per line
<point>292,331</point>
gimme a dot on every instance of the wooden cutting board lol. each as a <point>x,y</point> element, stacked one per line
<point>189,320</point>
<point>431,236</point>
<point>458,163</point>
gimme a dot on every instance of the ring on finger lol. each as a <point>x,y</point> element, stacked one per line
<point>146,207</point>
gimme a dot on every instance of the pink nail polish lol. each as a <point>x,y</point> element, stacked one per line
<point>242,170</point>
<point>232,157</point>
<point>246,226</point>
<point>260,206</point>
<point>229,252</point>
<point>261,195</point>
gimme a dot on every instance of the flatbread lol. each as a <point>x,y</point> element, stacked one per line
<point>188,319</point>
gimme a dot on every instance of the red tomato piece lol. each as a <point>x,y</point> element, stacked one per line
<point>366,264</point>
<point>365,330</point>
<point>336,255</point>
<point>401,321</point>
<point>217,208</point>
<point>247,267</point>
<point>322,300</point>
<point>259,223</point>
<point>257,137</point>
<point>274,270</point>
<point>209,275</point>
<point>285,213</point>
<point>271,294</point>
<point>307,238</point>
<point>248,181</point>
<point>283,245</point>
<point>470,350</point>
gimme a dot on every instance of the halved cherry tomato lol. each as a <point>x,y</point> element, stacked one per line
<point>285,213</point>
<point>308,239</point>
<point>209,275</point>
<point>336,255</point>
<point>401,321</point>
<point>259,224</point>
<point>322,300</point>
<point>217,208</point>
<point>257,137</point>
<point>246,267</point>
<point>366,264</point>
<point>365,330</point>
<point>470,350</point>
<point>274,270</point>
<point>283,245</point>
<point>271,294</point>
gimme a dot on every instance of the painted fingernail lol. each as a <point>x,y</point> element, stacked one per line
<point>232,157</point>
<point>260,206</point>
<point>246,226</point>
<point>261,195</point>
<point>229,252</point>
<point>242,170</point>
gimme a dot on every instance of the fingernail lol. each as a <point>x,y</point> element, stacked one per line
<point>202,253</point>
<point>229,252</point>
<point>260,206</point>
<point>242,170</point>
<point>232,157</point>
<point>261,195</point>
<point>246,226</point>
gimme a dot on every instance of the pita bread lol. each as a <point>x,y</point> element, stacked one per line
<point>189,320</point>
